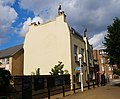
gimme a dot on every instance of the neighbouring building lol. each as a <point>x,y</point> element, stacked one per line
<point>46,44</point>
<point>12,59</point>
<point>101,59</point>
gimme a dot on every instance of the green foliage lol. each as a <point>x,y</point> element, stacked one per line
<point>117,72</point>
<point>0,63</point>
<point>37,72</point>
<point>112,42</point>
<point>57,69</point>
<point>5,86</point>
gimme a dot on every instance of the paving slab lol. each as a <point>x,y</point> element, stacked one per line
<point>110,91</point>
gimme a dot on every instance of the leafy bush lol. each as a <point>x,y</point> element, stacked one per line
<point>117,72</point>
<point>57,69</point>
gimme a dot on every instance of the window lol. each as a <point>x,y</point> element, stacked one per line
<point>109,68</point>
<point>82,52</point>
<point>102,60</point>
<point>77,77</point>
<point>7,60</point>
<point>103,52</point>
<point>102,68</point>
<point>110,76</point>
<point>89,57</point>
<point>3,61</point>
<point>75,52</point>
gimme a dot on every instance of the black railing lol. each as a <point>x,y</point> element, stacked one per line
<point>41,86</point>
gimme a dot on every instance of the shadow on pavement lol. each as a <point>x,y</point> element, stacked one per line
<point>117,84</point>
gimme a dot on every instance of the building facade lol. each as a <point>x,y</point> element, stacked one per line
<point>46,44</point>
<point>101,57</point>
<point>12,59</point>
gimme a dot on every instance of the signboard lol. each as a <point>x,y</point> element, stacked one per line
<point>77,68</point>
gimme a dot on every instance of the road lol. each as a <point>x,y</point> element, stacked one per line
<point>110,91</point>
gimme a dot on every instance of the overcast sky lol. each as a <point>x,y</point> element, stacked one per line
<point>95,15</point>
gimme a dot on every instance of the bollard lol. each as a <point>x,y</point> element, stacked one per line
<point>63,91</point>
<point>88,86</point>
<point>97,84</point>
<point>48,93</point>
<point>74,88</point>
<point>93,85</point>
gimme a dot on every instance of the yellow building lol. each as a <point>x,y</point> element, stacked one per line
<point>12,59</point>
<point>46,44</point>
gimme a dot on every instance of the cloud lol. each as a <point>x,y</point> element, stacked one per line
<point>97,40</point>
<point>7,16</point>
<point>47,9</point>
<point>26,24</point>
<point>7,2</point>
<point>96,15</point>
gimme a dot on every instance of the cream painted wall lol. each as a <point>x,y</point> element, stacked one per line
<point>45,45</point>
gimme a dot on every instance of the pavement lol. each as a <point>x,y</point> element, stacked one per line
<point>110,91</point>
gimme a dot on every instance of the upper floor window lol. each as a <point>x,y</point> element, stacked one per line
<point>103,52</point>
<point>89,56</point>
<point>3,61</point>
<point>7,60</point>
<point>103,69</point>
<point>102,60</point>
<point>82,53</point>
<point>109,68</point>
<point>75,52</point>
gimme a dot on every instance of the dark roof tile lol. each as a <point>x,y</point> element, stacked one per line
<point>10,51</point>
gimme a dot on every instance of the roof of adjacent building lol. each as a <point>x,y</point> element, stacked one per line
<point>74,32</point>
<point>10,51</point>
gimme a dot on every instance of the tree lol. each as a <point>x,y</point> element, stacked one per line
<point>112,42</point>
<point>0,63</point>
<point>57,69</point>
<point>5,86</point>
<point>117,72</point>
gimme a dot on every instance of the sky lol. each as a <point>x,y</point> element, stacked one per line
<point>95,15</point>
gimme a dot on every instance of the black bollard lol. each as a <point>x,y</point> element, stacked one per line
<point>74,88</point>
<point>93,85</point>
<point>88,85</point>
<point>48,93</point>
<point>63,91</point>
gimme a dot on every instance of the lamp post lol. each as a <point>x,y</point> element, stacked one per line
<point>80,76</point>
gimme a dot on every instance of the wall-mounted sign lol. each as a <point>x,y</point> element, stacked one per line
<point>77,68</point>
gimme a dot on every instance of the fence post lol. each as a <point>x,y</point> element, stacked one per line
<point>74,88</point>
<point>63,91</point>
<point>48,93</point>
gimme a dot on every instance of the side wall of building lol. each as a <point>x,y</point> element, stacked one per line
<point>104,65</point>
<point>17,63</point>
<point>80,44</point>
<point>6,63</point>
<point>45,45</point>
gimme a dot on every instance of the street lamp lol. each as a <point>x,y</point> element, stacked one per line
<point>80,77</point>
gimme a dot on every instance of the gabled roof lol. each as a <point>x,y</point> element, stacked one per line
<point>74,32</point>
<point>10,51</point>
